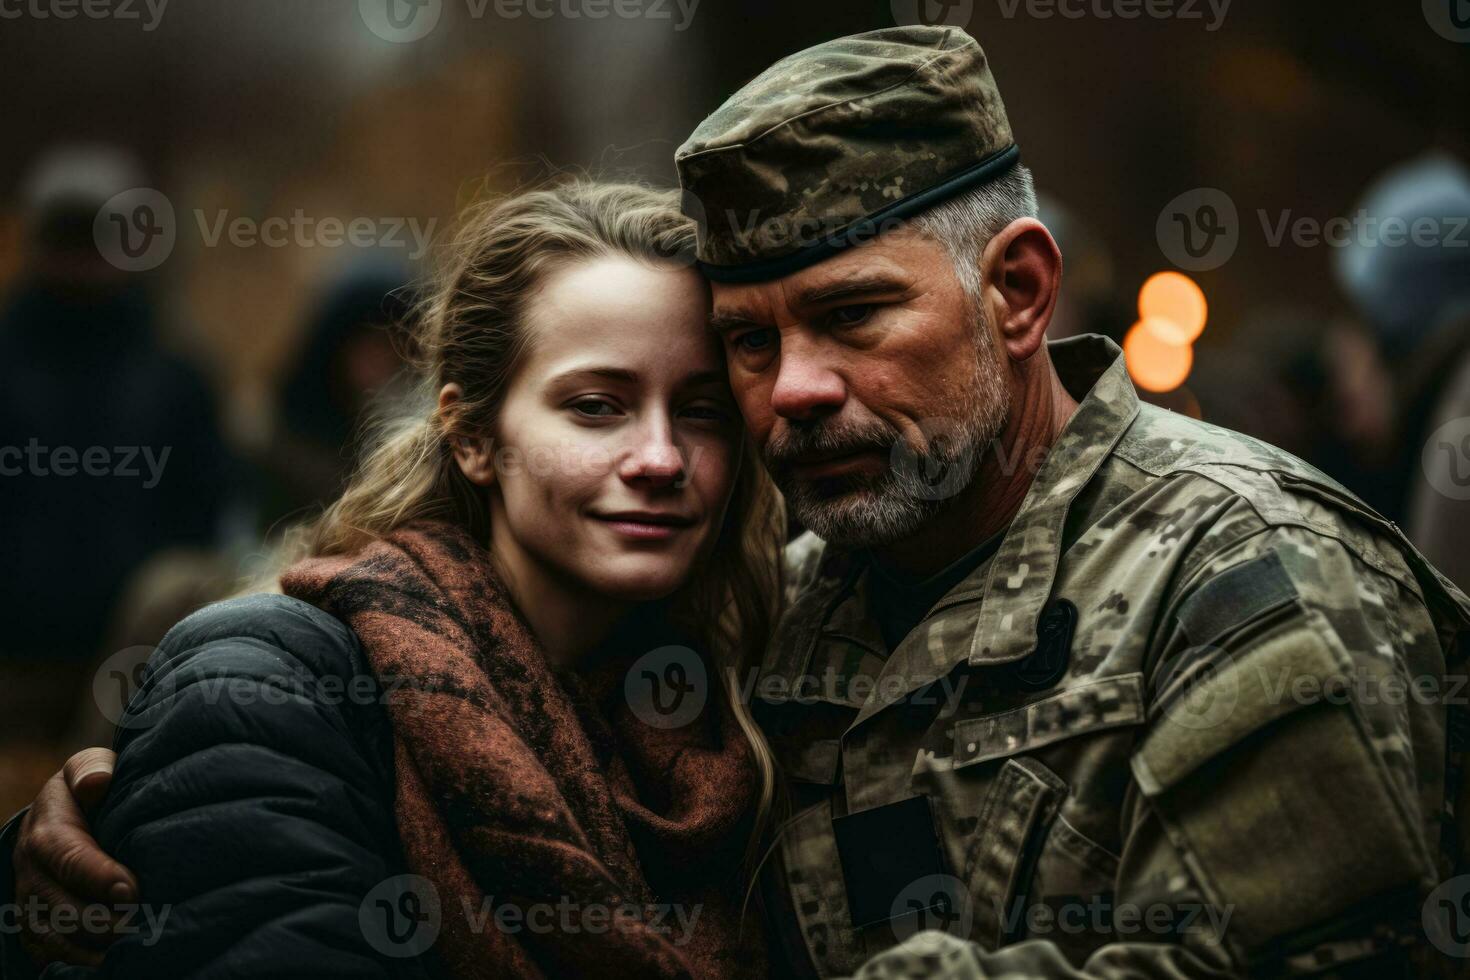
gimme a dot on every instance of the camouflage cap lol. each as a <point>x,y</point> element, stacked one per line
<point>837,143</point>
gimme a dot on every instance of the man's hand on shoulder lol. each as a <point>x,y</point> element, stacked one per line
<point>60,870</point>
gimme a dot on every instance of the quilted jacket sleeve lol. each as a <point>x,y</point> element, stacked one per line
<point>253,799</point>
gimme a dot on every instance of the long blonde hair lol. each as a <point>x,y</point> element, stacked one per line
<point>470,332</point>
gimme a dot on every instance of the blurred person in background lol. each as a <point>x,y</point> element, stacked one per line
<point>348,361</point>
<point>1439,510</point>
<point>1314,386</point>
<point>1415,293</point>
<point>110,445</point>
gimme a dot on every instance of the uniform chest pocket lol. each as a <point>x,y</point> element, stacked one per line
<point>1018,846</point>
<point>1094,706</point>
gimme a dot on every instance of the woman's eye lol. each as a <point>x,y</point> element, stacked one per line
<point>707,413</point>
<point>595,408</point>
<point>851,316</point>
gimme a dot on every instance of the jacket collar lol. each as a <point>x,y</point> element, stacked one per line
<point>1019,580</point>
<point>997,607</point>
<point>994,612</point>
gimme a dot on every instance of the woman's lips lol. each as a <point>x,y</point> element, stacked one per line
<point>649,527</point>
<point>649,532</point>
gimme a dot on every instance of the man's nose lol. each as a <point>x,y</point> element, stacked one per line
<point>806,387</point>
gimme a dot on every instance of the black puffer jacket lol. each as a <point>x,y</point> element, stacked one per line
<point>253,798</point>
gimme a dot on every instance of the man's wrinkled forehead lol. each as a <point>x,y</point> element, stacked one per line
<point>894,263</point>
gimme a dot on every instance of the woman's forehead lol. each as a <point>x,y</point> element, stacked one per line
<point>620,313</point>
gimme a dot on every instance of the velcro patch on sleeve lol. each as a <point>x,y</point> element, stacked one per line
<point>1235,597</point>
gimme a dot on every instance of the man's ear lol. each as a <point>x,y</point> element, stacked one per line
<point>474,455</point>
<point>1021,268</point>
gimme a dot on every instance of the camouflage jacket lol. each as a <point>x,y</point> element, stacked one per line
<point>1190,719</point>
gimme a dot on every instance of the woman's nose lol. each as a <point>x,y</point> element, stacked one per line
<point>655,459</point>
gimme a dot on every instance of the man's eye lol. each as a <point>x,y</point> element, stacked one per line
<point>851,316</point>
<point>594,408</point>
<point>755,340</point>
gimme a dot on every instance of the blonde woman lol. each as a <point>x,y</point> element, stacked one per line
<point>429,755</point>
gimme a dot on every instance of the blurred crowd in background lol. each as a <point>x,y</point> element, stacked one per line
<point>182,379</point>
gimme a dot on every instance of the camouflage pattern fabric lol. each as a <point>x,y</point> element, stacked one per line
<point>1238,765</point>
<point>844,131</point>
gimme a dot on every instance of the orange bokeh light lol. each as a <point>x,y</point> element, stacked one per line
<point>1174,298</point>
<point>1155,361</point>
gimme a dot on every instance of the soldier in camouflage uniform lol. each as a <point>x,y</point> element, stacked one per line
<point>1187,714</point>
<point>1182,706</point>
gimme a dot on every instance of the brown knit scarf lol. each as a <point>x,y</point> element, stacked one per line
<point>522,786</point>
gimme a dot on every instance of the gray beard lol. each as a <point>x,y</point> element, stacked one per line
<point>873,511</point>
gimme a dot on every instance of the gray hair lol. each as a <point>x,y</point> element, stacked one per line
<point>964,225</point>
